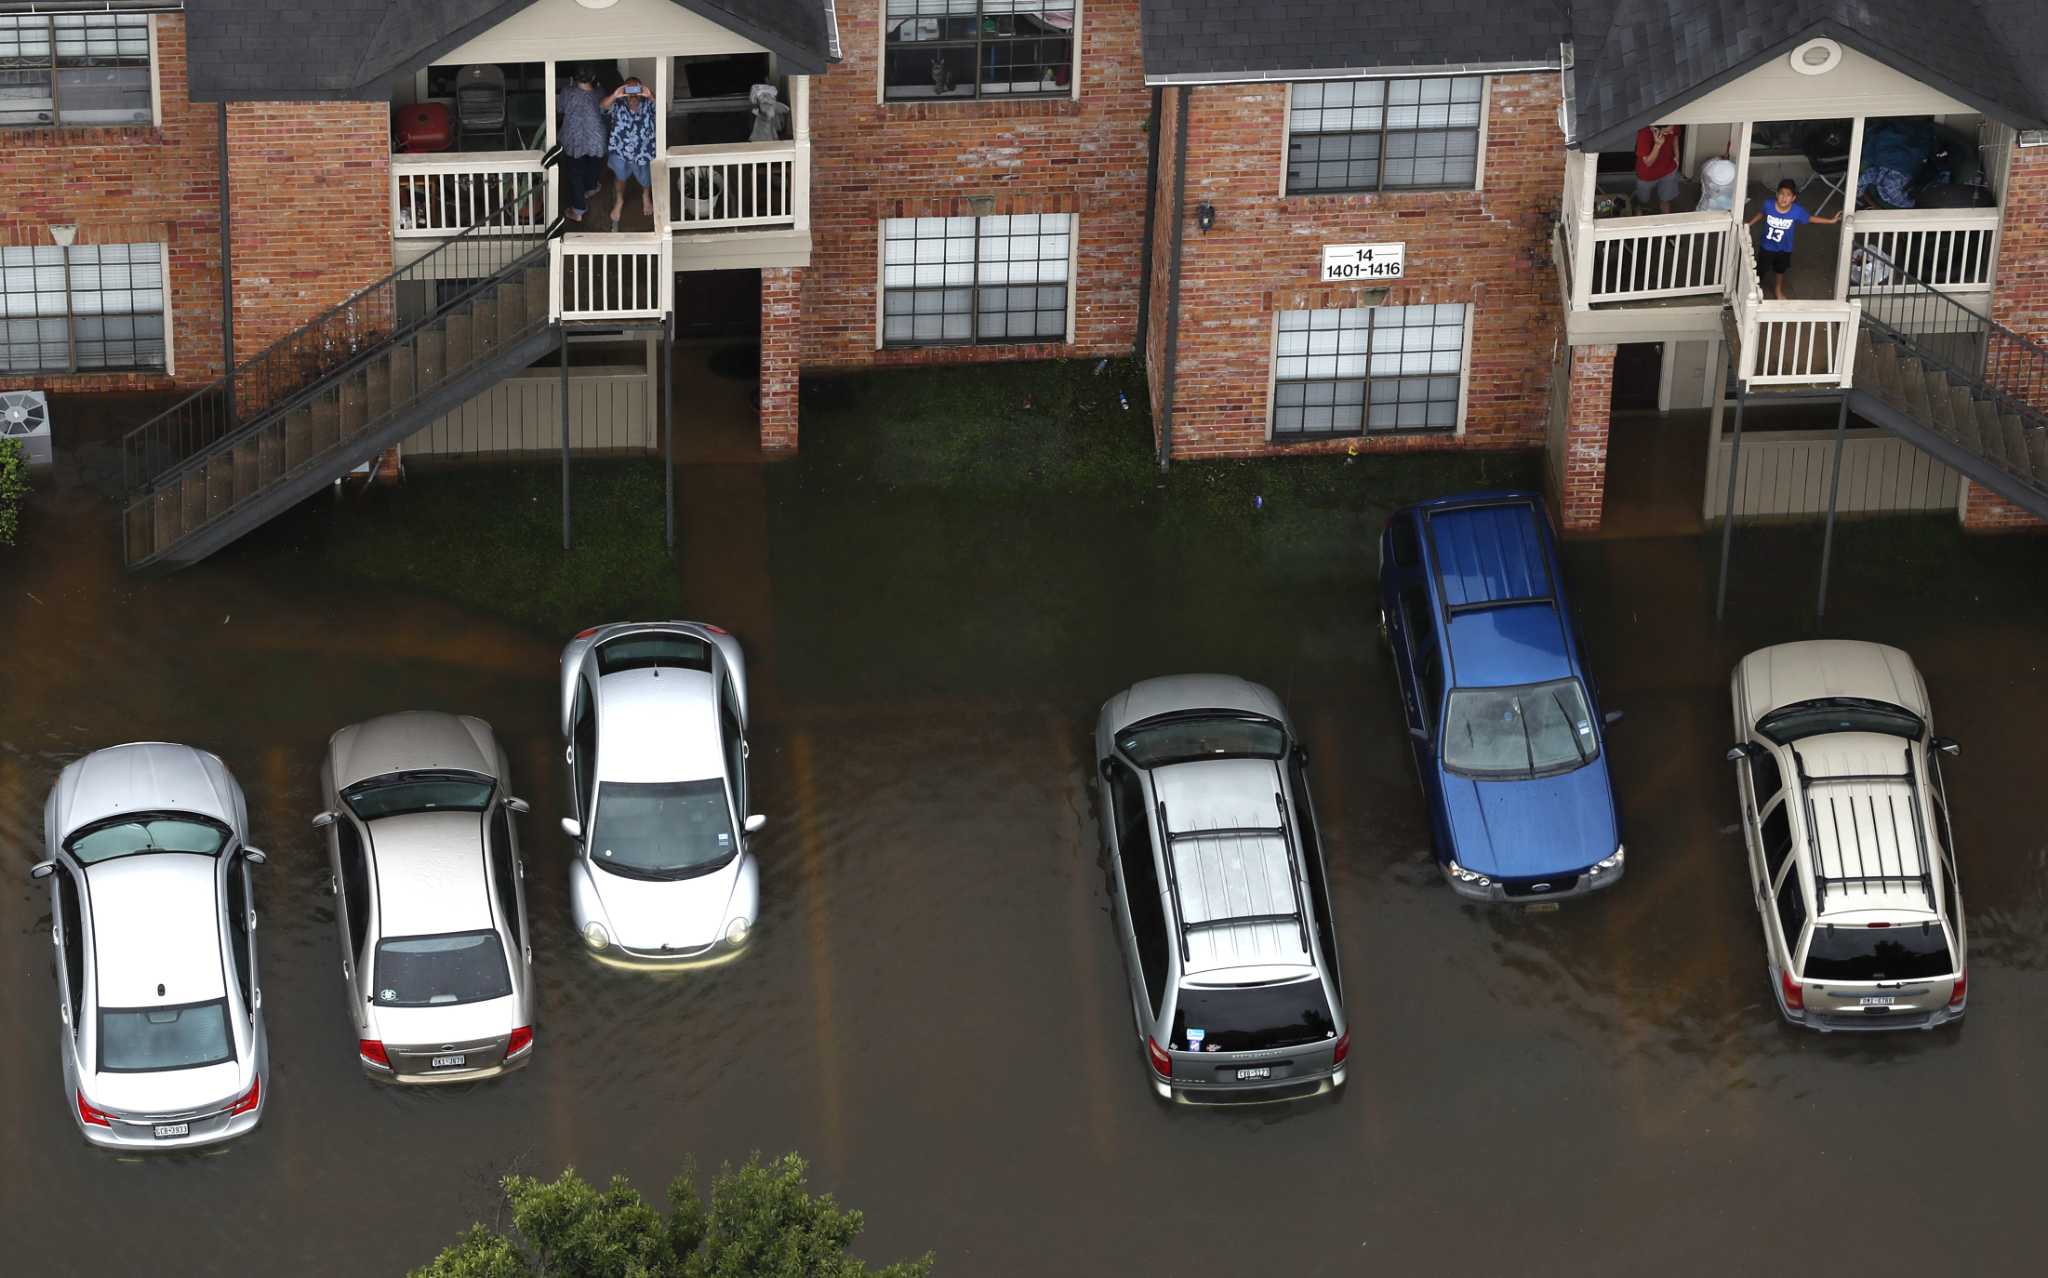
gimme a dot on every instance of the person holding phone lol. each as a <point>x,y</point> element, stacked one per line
<point>1656,166</point>
<point>630,152</point>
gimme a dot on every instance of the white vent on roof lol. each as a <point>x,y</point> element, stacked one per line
<point>25,415</point>
<point>1816,57</point>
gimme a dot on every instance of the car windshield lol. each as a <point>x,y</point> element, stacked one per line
<point>432,971</point>
<point>1529,731</point>
<point>669,830</point>
<point>421,790</point>
<point>1839,714</point>
<point>152,833</point>
<point>1251,1018</point>
<point>664,649</point>
<point>1857,952</point>
<point>1182,738</point>
<point>134,1040</point>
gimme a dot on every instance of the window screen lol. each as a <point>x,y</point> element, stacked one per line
<point>948,280</point>
<point>1359,370</point>
<point>963,49</point>
<point>74,69</point>
<point>1383,135</point>
<point>87,307</point>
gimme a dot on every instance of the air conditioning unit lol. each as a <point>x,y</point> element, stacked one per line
<point>25,415</point>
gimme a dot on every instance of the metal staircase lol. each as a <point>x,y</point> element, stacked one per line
<point>336,392</point>
<point>1958,385</point>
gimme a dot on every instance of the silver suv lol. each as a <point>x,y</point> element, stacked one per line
<point>1222,906</point>
<point>155,935</point>
<point>431,898</point>
<point>1851,857</point>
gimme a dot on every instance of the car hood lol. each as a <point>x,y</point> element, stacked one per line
<point>170,1091</point>
<point>686,914</point>
<point>1532,827</point>
<point>143,776</point>
<point>449,1023</point>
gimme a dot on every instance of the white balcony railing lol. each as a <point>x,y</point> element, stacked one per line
<point>1952,250</point>
<point>1789,343</point>
<point>1637,259</point>
<point>744,186</point>
<point>612,276</point>
<point>435,196</point>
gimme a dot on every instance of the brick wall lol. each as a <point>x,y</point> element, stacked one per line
<point>1588,406</point>
<point>131,185</point>
<point>312,210</point>
<point>2020,302</point>
<point>781,345</point>
<point>872,160</point>
<point>1486,248</point>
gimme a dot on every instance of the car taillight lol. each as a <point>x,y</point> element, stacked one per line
<point>250,1099</point>
<point>372,1051</point>
<point>521,1040</point>
<point>88,1114</point>
<point>1955,996</point>
<point>1343,1048</point>
<point>585,634</point>
<point>1162,1062</point>
<point>1794,997</point>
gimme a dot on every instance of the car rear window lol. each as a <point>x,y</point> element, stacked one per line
<point>665,650</point>
<point>433,971</point>
<point>1903,952</point>
<point>1250,1018</point>
<point>139,1039</point>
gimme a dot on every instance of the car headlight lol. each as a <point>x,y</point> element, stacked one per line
<point>1463,875</point>
<point>594,936</point>
<point>736,932</point>
<point>1610,862</point>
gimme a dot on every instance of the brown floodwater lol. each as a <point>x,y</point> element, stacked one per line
<point>932,1011</point>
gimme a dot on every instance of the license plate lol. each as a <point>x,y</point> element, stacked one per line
<point>165,1131</point>
<point>1542,907</point>
<point>1247,1075</point>
<point>1883,1000</point>
<point>450,1062</point>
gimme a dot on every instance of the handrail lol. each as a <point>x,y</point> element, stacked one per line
<point>310,353</point>
<point>2011,368</point>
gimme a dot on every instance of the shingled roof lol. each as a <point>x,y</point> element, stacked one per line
<point>301,50</point>
<point>1217,40</point>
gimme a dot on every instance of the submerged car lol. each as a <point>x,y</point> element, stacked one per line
<point>655,716</point>
<point>1502,716</point>
<point>1222,907</point>
<point>430,897</point>
<point>160,1014</point>
<point>1851,856</point>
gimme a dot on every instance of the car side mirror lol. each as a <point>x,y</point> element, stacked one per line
<point>255,856</point>
<point>572,827</point>
<point>1419,735</point>
<point>324,819</point>
<point>1740,751</point>
<point>42,869</point>
<point>521,806</point>
<point>1947,745</point>
<point>1612,716</point>
<point>754,823</point>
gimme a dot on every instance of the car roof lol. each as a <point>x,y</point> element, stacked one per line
<point>1865,834</point>
<point>155,921</point>
<point>412,739</point>
<point>1502,623</point>
<point>142,776</point>
<point>658,724</point>
<point>430,873</point>
<point>1230,858</point>
<point>1787,673</point>
<point>1168,694</point>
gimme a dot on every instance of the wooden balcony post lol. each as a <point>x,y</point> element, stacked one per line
<point>1849,209</point>
<point>800,169</point>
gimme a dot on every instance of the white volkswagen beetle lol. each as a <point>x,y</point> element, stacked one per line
<point>655,717</point>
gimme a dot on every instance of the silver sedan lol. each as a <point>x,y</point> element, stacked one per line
<point>431,900</point>
<point>155,945</point>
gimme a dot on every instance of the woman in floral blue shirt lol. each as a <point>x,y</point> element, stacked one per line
<point>631,149</point>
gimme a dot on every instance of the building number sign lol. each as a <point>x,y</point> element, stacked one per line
<point>1343,262</point>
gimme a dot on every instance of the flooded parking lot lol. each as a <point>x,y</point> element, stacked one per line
<point>932,1010</point>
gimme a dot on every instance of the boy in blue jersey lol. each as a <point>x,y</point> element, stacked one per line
<point>1781,220</point>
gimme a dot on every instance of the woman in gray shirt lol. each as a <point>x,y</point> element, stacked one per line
<point>582,139</point>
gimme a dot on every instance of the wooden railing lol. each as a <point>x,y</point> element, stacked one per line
<point>434,196</point>
<point>1789,343</point>
<point>1635,259</point>
<point>622,275</point>
<point>744,186</point>
<point>1953,250</point>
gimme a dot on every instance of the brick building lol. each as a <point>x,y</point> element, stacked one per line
<point>1323,226</point>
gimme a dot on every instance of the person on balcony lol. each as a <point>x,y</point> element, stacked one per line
<point>631,150</point>
<point>582,143</point>
<point>1781,220</point>
<point>1656,166</point>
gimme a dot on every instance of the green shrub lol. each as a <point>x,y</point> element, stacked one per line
<point>13,487</point>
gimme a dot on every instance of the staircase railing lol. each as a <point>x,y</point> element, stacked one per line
<point>273,379</point>
<point>2010,368</point>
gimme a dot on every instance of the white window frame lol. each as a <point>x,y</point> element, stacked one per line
<point>170,354</point>
<point>882,70</point>
<point>1073,284</point>
<point>156,91</point>
<point>1479,160</point>
<point>1456,431</point>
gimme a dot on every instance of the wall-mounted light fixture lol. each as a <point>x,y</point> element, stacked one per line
<point>64,232</point>
<point>1205,217</point>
